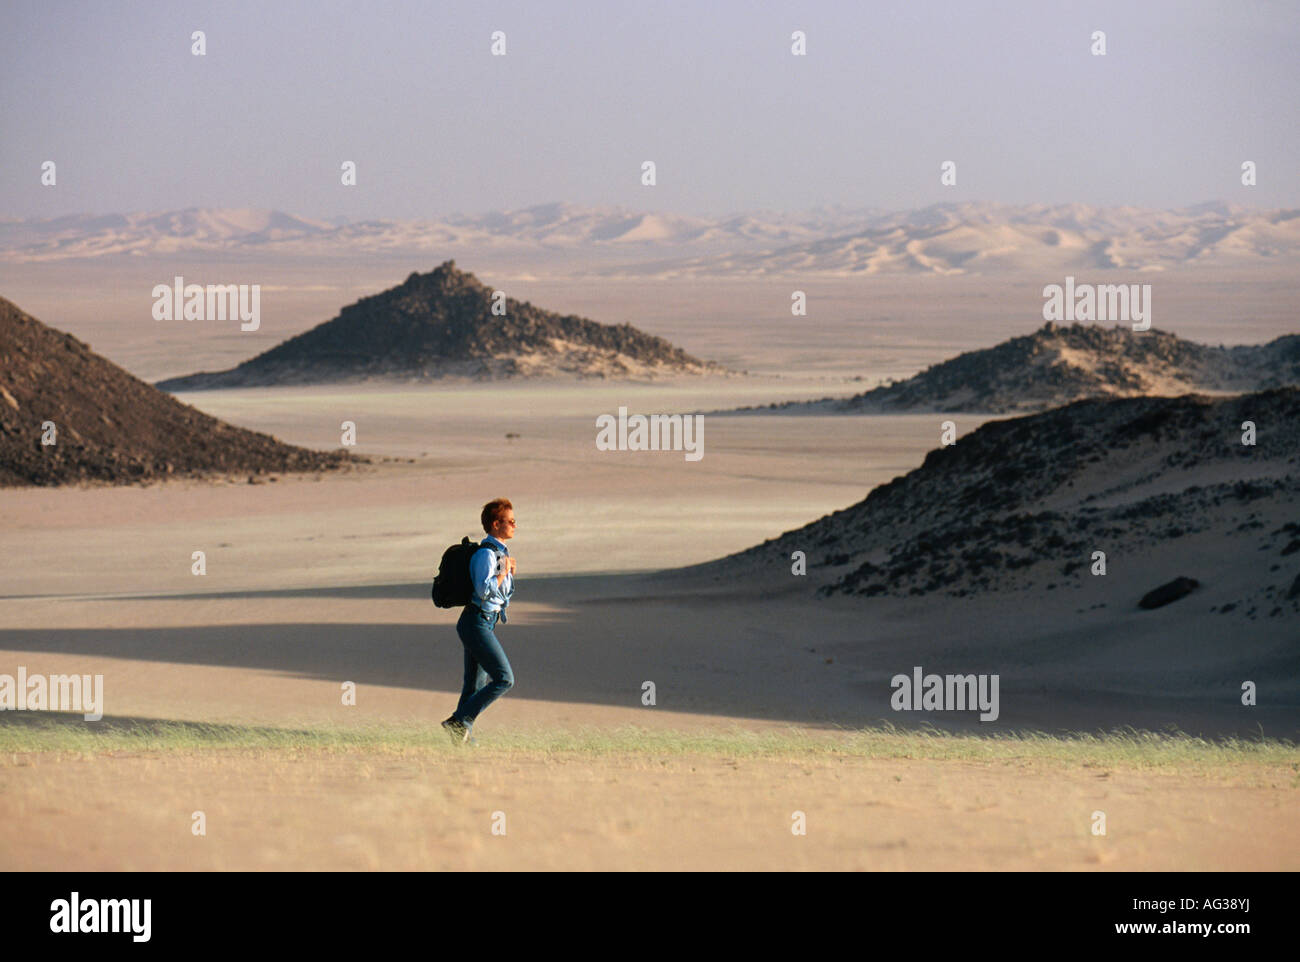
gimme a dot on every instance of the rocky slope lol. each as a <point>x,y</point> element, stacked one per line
<point>110,426</point>
<point>1024,502</point>
<point>441,324</point>
<point>1057,365</point>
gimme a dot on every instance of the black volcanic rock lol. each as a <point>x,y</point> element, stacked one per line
<point>1168,592</point>
<point>1056,365</point>
<point>111,426</point>
<point>440,324</point>
<point>1027,500</point>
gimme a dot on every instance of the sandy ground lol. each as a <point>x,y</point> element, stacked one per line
<point>314,582</point>
<point>432,811</point>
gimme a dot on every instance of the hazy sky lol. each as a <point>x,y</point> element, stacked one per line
<point>587,91</point>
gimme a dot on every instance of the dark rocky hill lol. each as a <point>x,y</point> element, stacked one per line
<point>1057,365</point>
<point>109,425</point>
<point>441,324</point>
<point>1023,502</point>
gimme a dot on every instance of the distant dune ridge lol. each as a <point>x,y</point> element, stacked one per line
<point>111,426</point>
<point>948,238</point>
<point>441,324</point>
<point>1057,364</point>
<point>1025,501</point>
<point>979,238</point>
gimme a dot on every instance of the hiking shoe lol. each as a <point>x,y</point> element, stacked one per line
<point>458,731</point>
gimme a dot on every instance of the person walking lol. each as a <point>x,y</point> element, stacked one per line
<point>487,670</point>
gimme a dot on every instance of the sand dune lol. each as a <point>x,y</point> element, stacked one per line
<point>948,238</point>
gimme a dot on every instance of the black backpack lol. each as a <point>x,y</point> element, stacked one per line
<point>451,586</point>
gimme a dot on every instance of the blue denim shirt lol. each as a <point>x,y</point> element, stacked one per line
<point>488,595</point>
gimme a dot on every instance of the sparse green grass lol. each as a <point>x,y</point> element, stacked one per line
<point>1130,748</point>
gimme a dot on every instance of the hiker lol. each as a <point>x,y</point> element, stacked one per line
<point>487,670</point>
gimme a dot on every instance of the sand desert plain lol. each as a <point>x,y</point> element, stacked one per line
<point>222,692</point>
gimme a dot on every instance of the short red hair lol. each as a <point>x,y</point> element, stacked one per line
<point>493,511</point>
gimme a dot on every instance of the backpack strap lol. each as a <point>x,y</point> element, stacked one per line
<point>491,547</point>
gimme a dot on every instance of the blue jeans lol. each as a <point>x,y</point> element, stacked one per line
<point>487,670</point>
